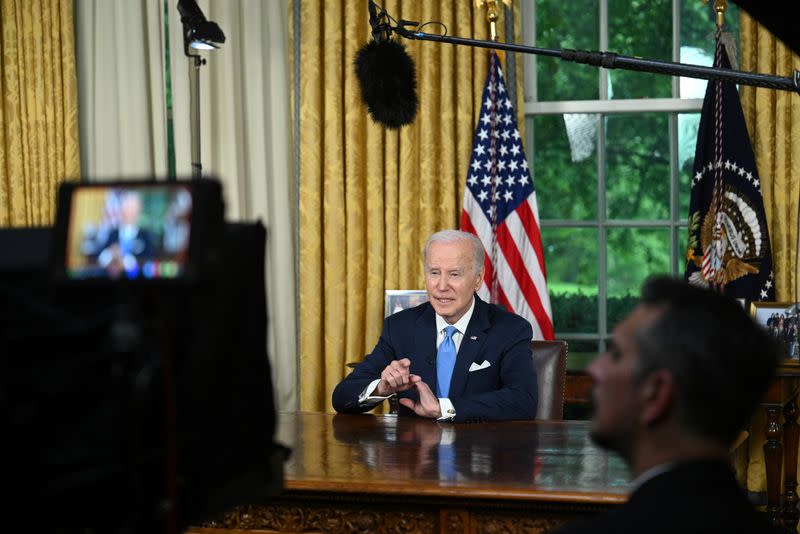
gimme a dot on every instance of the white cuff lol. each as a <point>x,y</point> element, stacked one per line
<point>448,435</point>
<point>448,410</point>
<point>366,398</point>
<point>105,257</point>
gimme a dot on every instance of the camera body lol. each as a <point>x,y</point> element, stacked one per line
<point>139,396</point>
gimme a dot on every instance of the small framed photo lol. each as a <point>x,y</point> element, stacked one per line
<point>400,299</point>
<point>780,319</point>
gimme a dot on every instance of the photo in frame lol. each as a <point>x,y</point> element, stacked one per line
<point>780,319</point>
<point>400,299</point>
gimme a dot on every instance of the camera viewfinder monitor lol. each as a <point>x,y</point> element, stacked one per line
<point>135,231</point>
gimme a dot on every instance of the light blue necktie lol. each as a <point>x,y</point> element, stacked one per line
<point>445,361</point>
<point>447,462</point>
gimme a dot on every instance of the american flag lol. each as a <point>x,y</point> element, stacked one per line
<point>500,208</point>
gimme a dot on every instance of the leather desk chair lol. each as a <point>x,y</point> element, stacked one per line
<point>550,361</point>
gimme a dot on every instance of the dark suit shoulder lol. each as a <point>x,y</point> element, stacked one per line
<point>409,316</point>
<point>705,492</point>
<point>498,315</point>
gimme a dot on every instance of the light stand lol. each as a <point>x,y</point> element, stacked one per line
<point>195,61</point>
<point>199,34</point>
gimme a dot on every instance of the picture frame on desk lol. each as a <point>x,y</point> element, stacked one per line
<point>396,300</point>
<point>781,320</point>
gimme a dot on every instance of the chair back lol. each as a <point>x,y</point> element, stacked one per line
<point>550,362</point>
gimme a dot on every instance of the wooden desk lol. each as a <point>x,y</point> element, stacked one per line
<point>366,473</point>
<point>782,439</point>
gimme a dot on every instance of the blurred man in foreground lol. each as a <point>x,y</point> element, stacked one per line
<point>681,378</point>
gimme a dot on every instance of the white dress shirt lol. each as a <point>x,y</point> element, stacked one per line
<point>447,408</point>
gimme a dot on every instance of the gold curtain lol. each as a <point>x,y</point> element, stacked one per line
<point>369,197</point>
<point>773,121</point>
<point>38,108</point>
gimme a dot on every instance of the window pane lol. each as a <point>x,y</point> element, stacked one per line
<point>688,124</point>
<point>571,260</point>
<point>680,257</point>
<point>562,25</point>
<point>633,255</point>
<point>642,30</point>
<point>637,166</point>
<point>565,189</point>
<point>698,25</point>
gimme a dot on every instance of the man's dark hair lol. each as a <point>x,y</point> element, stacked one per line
<point>721,359</point>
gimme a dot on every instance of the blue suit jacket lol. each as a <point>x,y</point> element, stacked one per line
<point>506,389</point>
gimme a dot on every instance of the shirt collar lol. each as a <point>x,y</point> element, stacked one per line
<point>461,324</point>
<point>650,474</point>
<point>127,231</point>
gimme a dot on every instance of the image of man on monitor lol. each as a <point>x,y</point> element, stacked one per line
<point>127,245</point>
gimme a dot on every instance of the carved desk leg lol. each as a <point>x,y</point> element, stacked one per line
<point>772,461</point>
<point>454,521</point>
<point>791,434</point>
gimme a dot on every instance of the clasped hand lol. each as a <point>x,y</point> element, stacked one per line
<point>397,377</point>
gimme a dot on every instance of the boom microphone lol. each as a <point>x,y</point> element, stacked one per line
<point>386,75</point>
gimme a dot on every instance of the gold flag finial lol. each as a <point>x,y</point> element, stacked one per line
<point>491,14</point>
<point>719,7</point>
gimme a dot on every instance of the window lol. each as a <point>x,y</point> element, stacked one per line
<point>612,152</point>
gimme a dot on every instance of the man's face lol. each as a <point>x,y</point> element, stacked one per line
<point>615,392</point>
<point>130,210</point>
<point>450,278</point>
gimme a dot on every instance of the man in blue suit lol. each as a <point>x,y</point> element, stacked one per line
<point>454,357</point>
<point>127,246</point>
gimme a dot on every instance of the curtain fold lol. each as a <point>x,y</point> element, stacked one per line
<point>246,144</point>
<point>121,78</point>
<point>773,121</point>
<point>244,124</point>
<point>38,109</point>
<point>369,197</point>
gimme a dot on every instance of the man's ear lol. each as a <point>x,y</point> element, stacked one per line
<point>657,396</point>
<point>480,280</point>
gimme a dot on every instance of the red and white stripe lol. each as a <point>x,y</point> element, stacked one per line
<point>521,274</point>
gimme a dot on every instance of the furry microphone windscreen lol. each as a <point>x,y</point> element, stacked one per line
<point>388,83</point>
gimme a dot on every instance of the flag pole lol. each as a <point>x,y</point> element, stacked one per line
<point>713,255</point>
<point>719,7</point>
<point>491,18</point>
<point>491,15</point>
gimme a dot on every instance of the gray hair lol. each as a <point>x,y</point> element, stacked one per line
<point>454,236</point>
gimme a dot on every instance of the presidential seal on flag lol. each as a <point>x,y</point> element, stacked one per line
<point>731,249</point>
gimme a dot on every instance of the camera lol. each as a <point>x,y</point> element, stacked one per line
<point>136,379</point>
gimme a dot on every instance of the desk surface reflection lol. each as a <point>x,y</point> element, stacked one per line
<point>525,460</point>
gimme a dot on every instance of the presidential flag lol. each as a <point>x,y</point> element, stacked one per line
<point>500,208</point>
<point>728,246</point>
